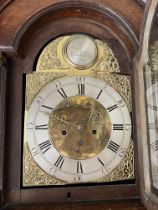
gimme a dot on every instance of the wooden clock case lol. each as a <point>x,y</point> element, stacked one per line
<point>26,27</point>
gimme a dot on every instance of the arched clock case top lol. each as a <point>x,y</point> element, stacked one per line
<point>102,21</point>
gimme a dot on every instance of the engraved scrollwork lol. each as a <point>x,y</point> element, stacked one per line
<point>35,82</point>
<point>107,63</point>
<point>33,175</point>
<point>153,56</point>
<point>121,83</point>
<point>125,170</point>
<point>151,69</point>
<point>49,58</point>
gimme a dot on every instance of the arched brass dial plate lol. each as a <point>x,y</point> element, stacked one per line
<point>53,64</point>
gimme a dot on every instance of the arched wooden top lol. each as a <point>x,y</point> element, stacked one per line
<point>18,16</point>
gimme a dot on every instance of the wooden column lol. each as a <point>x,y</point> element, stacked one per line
<point>3,73</point>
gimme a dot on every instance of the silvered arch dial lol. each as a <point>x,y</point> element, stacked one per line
<point>78,128</point>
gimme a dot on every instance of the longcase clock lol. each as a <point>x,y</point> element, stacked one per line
<point>69,107</point>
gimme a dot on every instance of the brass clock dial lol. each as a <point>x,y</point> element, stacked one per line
<point>78,128</point>
<point>77,124</point>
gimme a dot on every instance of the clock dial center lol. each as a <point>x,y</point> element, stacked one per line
<point>79,127</point>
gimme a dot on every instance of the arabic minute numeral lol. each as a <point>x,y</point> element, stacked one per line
<point>121,152</point>
<point>39,100</point>
<point>121,103</point>
<point>80,79</point>
<point>77,178</point>
<point>30,125</point>
<point>105,170</point>
<point>34,151</point>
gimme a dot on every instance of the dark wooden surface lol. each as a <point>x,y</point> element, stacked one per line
<point>12,26</point>
<point>22,37</point>
<point>3,73</point>
<point>114,205</point>
<point>3,4</point>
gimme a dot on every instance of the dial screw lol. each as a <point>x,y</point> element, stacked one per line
<point>63,133</point>
<point>94,131</point>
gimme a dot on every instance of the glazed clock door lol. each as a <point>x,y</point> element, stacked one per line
<point>147,73</point>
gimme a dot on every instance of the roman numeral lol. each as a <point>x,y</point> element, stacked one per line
<point>111,108</point>
<point>151,126</point>
<point>42,127</point>
<point>59,162</point>
<point>122,152</point>
<point>128,127</point>
<point>45,146</point>
<point>118,127</point>
<point>101,162</point>
<point>79,168</point>
<point>39,100</point>
<point>150,106</point>
<point>106,170</point>
<point>154,146</point>
<point>99,94</point>
<point>62,93</point>
<point>30,125</point>
<point>113,146</point>
<point>47,107</point>
<point>81,89</point>
<point>121,103</point>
